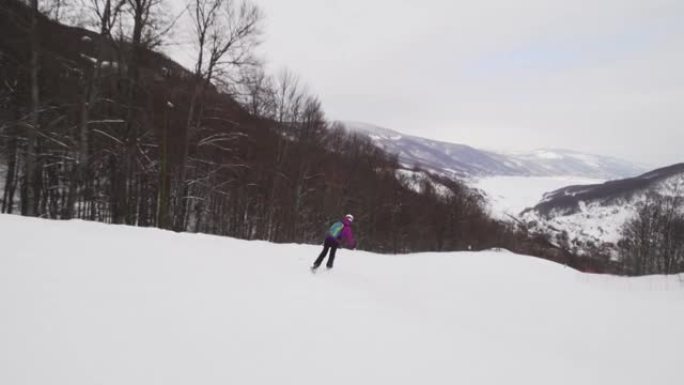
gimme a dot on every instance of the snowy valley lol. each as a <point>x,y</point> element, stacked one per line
<point>531,189</point>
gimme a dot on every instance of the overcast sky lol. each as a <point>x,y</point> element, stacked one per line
<point>604,76</point>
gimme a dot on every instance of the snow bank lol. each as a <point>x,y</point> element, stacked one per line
<point>86,303</point>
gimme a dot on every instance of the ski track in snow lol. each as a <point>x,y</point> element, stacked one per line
<point>87,303</point>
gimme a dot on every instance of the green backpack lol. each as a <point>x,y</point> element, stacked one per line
<point>336,229</point>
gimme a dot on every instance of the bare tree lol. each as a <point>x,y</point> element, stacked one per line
<point>652,241</point>
<point>313,120</point>
<point>287,94</point>
<point>31,175</point>
<point>106,14</point>
<point>257,92</point>
<point>226,33</point>
<point>141,30</point>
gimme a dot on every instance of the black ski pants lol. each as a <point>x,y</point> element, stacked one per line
<point>329,244</point>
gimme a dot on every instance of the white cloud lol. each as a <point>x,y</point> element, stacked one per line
<point>604,76</point>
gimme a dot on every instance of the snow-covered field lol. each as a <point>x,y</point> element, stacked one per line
<point>86,303</point>
<point>509,195</point>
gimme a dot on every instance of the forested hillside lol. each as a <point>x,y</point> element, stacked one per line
<point>99,126</point>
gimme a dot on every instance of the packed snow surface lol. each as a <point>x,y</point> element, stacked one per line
<point>86,303</point>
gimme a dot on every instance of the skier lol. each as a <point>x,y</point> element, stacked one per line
<point>340,231</point>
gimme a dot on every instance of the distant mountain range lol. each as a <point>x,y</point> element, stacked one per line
<point>459,160</point>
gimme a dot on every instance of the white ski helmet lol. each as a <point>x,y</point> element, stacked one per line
<point>349,217</point>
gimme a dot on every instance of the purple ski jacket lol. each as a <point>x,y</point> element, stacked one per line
<point>346,238</point>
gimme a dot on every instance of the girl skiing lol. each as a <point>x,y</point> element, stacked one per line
<point>339,233</point>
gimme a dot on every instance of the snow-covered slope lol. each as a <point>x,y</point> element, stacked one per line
<point>594,214</point>
<point>86,303</point>
<point>451,159</point>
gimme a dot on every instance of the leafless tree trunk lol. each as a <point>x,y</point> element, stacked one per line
<point>226,34</point>
<point>11,177</point>
<point>164,195</point>
<point>107,16</point>
<point>31,176</point>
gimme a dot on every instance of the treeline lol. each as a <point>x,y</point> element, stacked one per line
<point>97,125</point>
<point>653,241</point>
